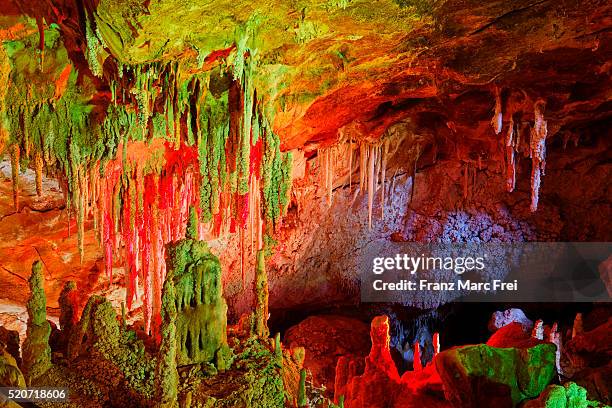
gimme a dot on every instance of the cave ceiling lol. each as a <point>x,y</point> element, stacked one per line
<point>321,67</point>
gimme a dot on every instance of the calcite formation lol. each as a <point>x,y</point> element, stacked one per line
<point>502,376</point>
<point>36,353</point>
<point>174,167</point>
<point>201,311</point>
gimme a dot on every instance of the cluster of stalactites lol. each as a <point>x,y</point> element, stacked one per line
<point>140,211</point>
<point>220,156</point>
<point>139,214</point>
<point>370,157</point>
<point>512,142</point>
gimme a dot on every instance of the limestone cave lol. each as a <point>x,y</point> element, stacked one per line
<point>234,204</point>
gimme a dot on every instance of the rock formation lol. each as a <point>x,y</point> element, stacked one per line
<point>36,353</point>
<point>181,166</point>
<point>201,317</point>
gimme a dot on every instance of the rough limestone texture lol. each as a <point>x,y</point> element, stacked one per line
<point>374,382</point>
<point>500,319</point>
<point>479,375</point>
<point>69,317</point>
<point>569,395</point>
<point>380,378</point>
<point>10,340</point>
<point>165,372</point>
<point>255,381</point>
<point>36,353</point>
<point>201,321</point>
<point>325,339</point>
<point>104,352</point>
<point>261,296</point>
<point>10,375</point>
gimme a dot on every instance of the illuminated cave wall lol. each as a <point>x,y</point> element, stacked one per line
<point>355,140</point>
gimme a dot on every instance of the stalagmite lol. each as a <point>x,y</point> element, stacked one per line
<point>14,150</point>
<point>302,400</point>
<point>165,371</point>
<point>36,353</point>
<point>538,330</point>
<point>417,365</point>
<point>436,343</point>
<point>577,328</point>
<point>537,146</point>
<point>555,337</point>
<point>261,296</point>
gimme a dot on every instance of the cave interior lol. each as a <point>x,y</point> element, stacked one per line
<point>189,191</point>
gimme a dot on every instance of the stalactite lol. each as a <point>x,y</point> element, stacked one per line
<point>363,166</point>
<point>537,151</point>
<point>414,169</point>
<point>385,151</point>
<point>14,150</point>
<point>497,120</point>
<point>326,159</point>
<point>510,158</point>
<point>329,176</point>
<point>466,170</point>
<point>417,363</point>
<point>370,178</point>
<point>350,155</point>
<point>79,205</point>
<point>140,204</point>
<point>38,167</point>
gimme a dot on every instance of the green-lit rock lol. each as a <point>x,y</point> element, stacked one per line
<point>166,373</point>
<point>479,375</point>
<point>10,375</point>
<point>201,320</point>
<point>261,296</point>
<point>112,356</point>
<point>255,381</point>
<point>569,395</point>
<point>36,354</point>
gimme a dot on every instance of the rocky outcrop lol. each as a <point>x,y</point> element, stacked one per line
<point>9,340</point>
<point>106,353</point>
<point>379,381</point>
<point>10,374</point>
<point>569,395</point>
<point>480,375</point>
<point>326,339</point>
<point>502,318</point>
<point>201,318</point>
<point>513,335</point>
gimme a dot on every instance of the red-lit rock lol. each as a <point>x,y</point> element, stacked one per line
<point>326,339</point>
